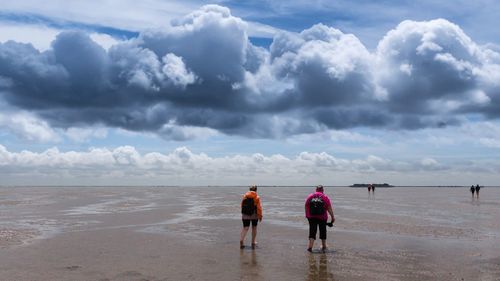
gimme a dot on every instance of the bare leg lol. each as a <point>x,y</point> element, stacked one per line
<point>323,244</point>
<point>254,236</point>
<point>244,231</point>
<point>311,244</point>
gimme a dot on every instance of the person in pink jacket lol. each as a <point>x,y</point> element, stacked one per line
<point>317,208</point>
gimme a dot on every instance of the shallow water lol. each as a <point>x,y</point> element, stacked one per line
<point>131,233</point>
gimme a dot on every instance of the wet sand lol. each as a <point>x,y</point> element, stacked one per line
<point>192,233</point>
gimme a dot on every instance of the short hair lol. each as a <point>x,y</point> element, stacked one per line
<point>253,188</point>
<point>319,187</point>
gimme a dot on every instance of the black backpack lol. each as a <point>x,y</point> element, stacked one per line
<point>317,205</point>
<point>248,207</point>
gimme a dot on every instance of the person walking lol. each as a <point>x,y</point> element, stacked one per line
<point>472,190</point>
<point>251,213</point>
<point>477,190</point>
<point>317,208</point>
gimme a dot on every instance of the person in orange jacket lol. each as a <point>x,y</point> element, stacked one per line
<point>251,212</point>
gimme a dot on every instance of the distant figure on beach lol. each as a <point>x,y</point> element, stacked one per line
<point>472,190</point>
<point>477,190</point>
<point>317,207</point>
<point>251,212</point>
<point>369,188</point>
<point>373,188</point>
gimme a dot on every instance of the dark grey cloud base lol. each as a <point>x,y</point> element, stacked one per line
<point>202,71</point>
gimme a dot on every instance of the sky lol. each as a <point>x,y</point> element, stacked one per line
<point>259,92</point>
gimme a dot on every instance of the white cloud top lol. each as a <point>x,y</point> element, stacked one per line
<point>201,74</point>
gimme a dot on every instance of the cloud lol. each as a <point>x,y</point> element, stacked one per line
<point>28,127</point>
<point>171,131</point>
<point>423,63</point>
<point>338,136</point>
<point>39,36</point>
<point>328,68</point>
<point>126,162</point>
<point>201,76</point>
<point>125,15</point>
<point>495,143</point>
<point>84,134</point>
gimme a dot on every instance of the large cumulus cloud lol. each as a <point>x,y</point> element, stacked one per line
<point>429,65</point>
<point>201,74</point>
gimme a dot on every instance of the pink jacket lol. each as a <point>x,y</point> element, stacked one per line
<point>324,216</point>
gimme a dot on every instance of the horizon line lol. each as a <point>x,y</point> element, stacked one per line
<point>392,186</point>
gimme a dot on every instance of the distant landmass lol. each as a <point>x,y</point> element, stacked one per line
<point>374,184</point>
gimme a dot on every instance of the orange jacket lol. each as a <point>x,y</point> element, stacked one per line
<point>256,200</point>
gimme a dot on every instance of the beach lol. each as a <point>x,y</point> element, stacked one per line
<point>192,233</point>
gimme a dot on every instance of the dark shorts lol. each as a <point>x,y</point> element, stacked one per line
<point>314,224</point>
<point>246,223</point>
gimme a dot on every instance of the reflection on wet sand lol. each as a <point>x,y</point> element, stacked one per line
<point>318,268</point>
<point>475,202</point>
<point>249,267</point>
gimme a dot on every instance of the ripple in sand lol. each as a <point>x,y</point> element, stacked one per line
<point>14,237</point>
<point>125,205</point>
<point>435,231</point>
